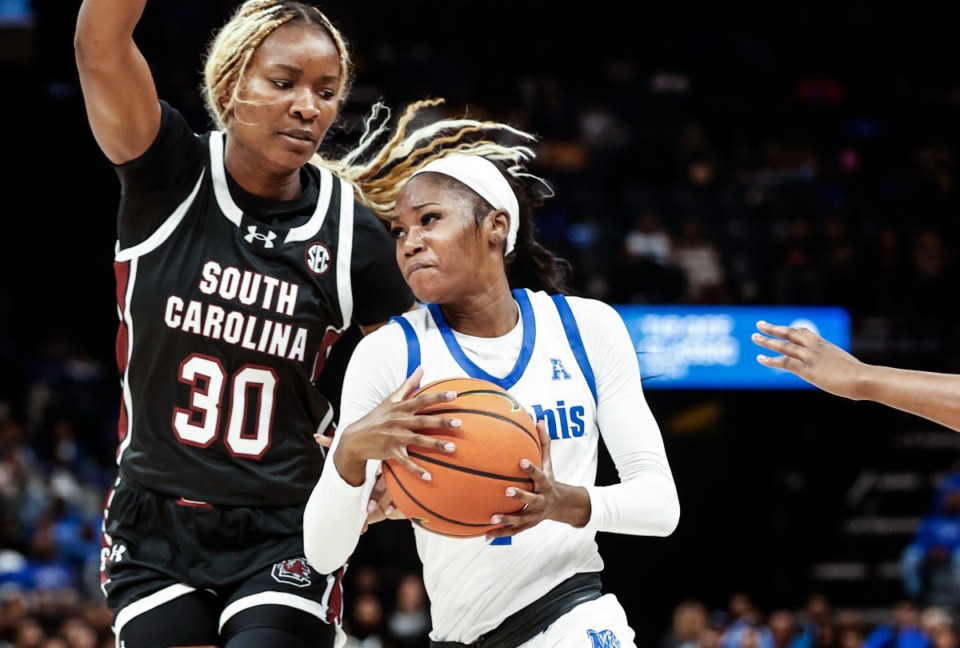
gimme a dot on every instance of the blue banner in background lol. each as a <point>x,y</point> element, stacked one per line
<point>709,347</point>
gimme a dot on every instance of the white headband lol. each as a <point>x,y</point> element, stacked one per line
<point>483,176</point>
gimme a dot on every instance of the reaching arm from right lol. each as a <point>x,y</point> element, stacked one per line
<point>118,88</point>
<point>933,396</point>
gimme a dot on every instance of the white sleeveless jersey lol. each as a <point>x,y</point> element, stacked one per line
<point>580,382</point>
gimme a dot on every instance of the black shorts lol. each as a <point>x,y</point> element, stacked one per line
<point>157,549</point>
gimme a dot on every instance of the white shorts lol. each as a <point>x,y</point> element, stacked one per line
<point>601,623</point>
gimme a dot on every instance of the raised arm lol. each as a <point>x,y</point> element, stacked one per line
<point>934,396</point>
<point>118,87</point>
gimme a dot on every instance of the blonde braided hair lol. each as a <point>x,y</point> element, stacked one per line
<point>378,174</point>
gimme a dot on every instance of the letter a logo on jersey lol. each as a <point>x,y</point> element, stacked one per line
<point>295,571</point>
<point>559,373</point>
<point>317,257</point>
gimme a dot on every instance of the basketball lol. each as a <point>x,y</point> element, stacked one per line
<point>468,485</point>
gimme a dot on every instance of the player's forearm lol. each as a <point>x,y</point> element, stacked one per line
<point>332,521</point>
<point>934,396</point>
<point>647,506</point>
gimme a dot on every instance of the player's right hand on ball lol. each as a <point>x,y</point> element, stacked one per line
<point>388,430</point>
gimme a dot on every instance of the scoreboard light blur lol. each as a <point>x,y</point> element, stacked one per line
<point>709,347</point>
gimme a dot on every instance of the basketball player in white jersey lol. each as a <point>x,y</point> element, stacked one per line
<point>495,309</point>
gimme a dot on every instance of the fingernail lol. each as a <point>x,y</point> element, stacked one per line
<point>524,464</point>
<point>496,519</point>
<point>451,395</point>
<point>511,492</point>
<point>371,505</point>
<point>390,509</point>
<point>455,423</point>
<point>449,447</point>
<point>761,322</point>
<point>427,477</point>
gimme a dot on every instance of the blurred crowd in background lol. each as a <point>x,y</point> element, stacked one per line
<point>702,153</point>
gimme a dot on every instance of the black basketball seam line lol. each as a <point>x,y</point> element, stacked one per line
<point>471,471</point>
<point>429,510</point>
<point>466,410</point>
<point>498,392</point>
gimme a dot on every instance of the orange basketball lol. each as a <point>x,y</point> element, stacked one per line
<point>468,485</point>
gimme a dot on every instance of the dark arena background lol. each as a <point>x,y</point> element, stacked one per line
<point>706,155</point>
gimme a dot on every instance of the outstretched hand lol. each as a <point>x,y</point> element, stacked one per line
<point>390,428</point>
<point>809,356</point>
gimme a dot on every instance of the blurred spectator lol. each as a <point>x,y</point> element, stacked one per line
<point>364,626</point>
<point>783,628</point>
<point>798,277</point>
<point>903,631</point>
<point>650,275</point>
<point>702,266</point>
<point>841,264</point>
<point>745,628</point>
<point>938,624</point>
<point>930,275</point>
<point>930,564</point>
<point>28,633</point>
<point>815,620</point>
<point>23,491</point>
<point>690,619</point>
<point>408,625</point>
<point>66,381</point>
<point>849,631</point>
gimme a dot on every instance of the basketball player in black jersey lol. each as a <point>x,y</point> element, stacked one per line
<point>241,257</point>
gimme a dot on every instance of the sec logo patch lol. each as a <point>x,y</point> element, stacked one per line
<point>318,259</point>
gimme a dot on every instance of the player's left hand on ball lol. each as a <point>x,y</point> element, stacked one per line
<point>538,505</point>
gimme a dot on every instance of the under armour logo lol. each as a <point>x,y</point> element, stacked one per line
<point>266,239</point>
<point>112,554</point>
<point>559,373</point>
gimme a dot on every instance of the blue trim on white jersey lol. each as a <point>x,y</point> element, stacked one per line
<point>413,344</point>
<point>576,342</point>
<point>526,348</point>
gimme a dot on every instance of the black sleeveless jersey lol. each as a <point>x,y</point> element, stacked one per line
<point>228,307</point>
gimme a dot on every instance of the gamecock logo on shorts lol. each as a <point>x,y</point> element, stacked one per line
<point>296,572</point>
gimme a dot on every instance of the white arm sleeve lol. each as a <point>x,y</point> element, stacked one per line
<point>336,511</point>
<point>645,501</point>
